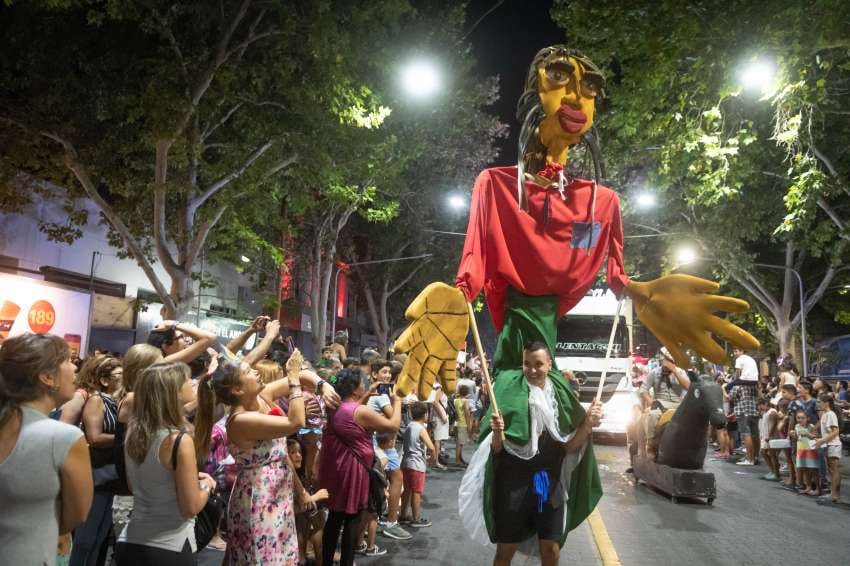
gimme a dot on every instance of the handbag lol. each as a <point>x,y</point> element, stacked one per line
<point>207,520</point>
<point>377,478</point>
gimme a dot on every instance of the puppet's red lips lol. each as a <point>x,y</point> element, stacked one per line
<point>571,120</point>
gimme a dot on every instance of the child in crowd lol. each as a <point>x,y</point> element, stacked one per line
<point>463,425</point>
<point>413,464</point>
<point>368,546</point>
<point>808,402</point>
<point>310,436</point>
<point>789,395</point>
<point>309,519</point>
<point>382,378</point>
<point>722,433</point>
<point>222,467</point>
<point>807,454</point>
<point>782,445</point>
<point>767,431</point>
<point>830,442</point>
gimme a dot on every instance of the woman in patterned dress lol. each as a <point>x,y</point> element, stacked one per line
<point>260,517</point>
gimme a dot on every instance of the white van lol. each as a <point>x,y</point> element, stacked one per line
<point>581,344</point>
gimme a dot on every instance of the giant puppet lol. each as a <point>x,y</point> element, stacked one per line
<point>536,240</point>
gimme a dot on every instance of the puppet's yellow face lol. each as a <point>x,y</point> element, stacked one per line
<point>568,98</point>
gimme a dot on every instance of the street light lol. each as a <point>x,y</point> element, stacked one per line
<point>457,202</point>
<point>758,75</point>
<point>645,200</point>
<point>686,255</point>
<point>420,78</point>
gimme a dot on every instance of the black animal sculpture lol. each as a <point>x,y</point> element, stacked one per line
<point>682,441</point>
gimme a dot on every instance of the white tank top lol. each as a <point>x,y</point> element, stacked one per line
<point>156,520</point>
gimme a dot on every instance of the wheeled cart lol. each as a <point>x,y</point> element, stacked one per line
<point>676,482</point>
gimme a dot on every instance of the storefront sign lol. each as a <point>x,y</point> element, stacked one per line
<point>31,305</point>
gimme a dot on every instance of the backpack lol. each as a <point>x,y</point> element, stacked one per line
<point>451,411</point>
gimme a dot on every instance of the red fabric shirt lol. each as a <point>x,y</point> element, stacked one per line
<point>508,247</point>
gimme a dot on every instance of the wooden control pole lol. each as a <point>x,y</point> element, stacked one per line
<point>483,357</point>
<point>610,347</point>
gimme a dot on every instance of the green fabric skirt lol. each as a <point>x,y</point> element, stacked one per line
<point>530,319</point>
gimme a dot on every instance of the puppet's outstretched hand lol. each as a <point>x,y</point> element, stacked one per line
<point>677,310</point>
<point>439,321</point>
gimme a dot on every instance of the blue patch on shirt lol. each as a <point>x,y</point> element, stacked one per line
<point>583,236</point>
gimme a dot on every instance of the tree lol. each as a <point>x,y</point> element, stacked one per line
<point>388,178</point>
<point>445,142</point>
<point>739,174</point>
<point>179,121</point>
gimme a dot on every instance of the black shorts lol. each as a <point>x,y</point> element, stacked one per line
<point>515,513</point>
<point>129,554</point>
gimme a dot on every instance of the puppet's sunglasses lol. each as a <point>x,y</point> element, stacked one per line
<point>561,72</point>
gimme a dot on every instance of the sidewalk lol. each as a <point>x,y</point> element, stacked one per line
<point>761,469</point>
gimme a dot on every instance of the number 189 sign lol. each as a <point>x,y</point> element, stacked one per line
<point>31,305</point>
<point>41,317</point>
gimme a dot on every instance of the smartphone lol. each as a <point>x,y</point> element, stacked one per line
<point>385,389</point>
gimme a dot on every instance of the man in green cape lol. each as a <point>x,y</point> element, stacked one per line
<point>542,479</point>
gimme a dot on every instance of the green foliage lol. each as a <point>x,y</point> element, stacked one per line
<point>265,124</point>
<point>740,173</point>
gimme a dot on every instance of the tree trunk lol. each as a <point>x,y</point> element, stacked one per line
<point>316,308</point>
<point>379,309</point>
<point>784,337</point>
<point>182,296</point>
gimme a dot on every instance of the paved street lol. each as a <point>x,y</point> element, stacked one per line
<point>752,522</point>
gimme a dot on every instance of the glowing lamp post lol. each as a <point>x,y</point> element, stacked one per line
<point>420,79</point>
<point>758,75</point>
<point>645,200</point>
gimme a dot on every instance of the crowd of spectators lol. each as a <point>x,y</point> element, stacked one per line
<point>794,425</point>
<point>184,443</point>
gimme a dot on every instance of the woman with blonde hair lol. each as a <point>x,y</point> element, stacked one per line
<point>137,359</point>
<point>269,370</point>
<point>162,470</point>
<point>71,412</point>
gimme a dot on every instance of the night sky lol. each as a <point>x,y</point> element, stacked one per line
<point>504,44</point>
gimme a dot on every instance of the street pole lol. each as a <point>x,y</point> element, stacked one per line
<point>802,312</point>
<point>91,302</point>
<point>338,270</point>
<point>200,289</point>
<point>91,273</point>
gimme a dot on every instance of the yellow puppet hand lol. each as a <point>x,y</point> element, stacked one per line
<point>677,310</point>
<point>439,321</point>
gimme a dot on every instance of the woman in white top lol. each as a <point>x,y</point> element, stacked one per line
<point>45,471</point>
<point>161,531</point>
